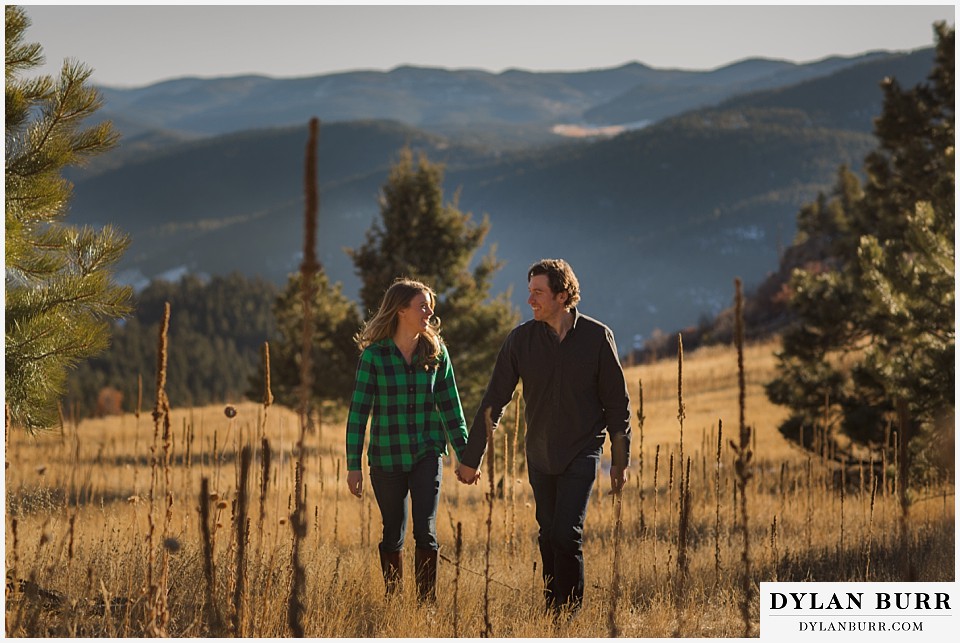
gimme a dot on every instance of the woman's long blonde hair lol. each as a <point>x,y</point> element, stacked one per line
<point>384,323</point>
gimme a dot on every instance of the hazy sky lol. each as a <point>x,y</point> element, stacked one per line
<point>138,45</point>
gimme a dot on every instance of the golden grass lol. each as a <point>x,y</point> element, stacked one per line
<point>78,515</point>
<point>710,394</point>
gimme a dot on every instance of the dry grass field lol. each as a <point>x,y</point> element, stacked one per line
<point>105,527</point>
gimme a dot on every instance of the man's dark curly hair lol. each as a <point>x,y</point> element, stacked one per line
<point>560,277</point>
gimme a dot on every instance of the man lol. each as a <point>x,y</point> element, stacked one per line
<point>573,390</point>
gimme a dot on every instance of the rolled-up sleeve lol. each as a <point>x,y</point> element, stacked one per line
<point>364,392</point>
<point>447,399</point>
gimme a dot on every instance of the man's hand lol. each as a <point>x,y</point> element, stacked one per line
<point>467,475</point>
<point>618,478</point>
<point>355,482</point>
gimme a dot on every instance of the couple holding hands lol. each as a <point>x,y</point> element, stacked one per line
<point>574,392</point>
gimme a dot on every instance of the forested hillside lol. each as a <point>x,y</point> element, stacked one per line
<point>216,332</point>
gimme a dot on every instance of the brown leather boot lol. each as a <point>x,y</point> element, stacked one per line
<point>391,564</point>
<point>425,566</point>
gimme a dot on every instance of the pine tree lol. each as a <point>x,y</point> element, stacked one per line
<point>420,237</point>
<point>336,321</point>
<point>60,294</point>
<point>875,300</point>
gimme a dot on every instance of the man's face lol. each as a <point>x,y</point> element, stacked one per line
<point>545,304</point>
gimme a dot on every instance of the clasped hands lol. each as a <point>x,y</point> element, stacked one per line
<point>467,475</point>
<point>618,475</point>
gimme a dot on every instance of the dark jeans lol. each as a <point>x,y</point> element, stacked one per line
<point>391,489</point>
<point>561,510</point>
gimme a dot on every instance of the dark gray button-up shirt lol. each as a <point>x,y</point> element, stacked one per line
<point>572,391</point>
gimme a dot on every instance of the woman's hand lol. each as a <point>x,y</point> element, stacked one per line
<point>467,475</point>
<point>355,482</point>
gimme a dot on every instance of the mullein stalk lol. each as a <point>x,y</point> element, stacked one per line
<point>873,498</point>
<point>683,524</point>
<point>239,592</point>
<point>487,625</point>
<point>670,477</point>
<point>336,505</point>
<point>840,544</point>
<point>267,391</point>
<point>716,489</point>
<point>513,473</point>
<point>265,458</point>
<point>774,550</point>
<point>656,503</point>
<point>612,627</point>
<point>683,565</point>
<point>641,418</point>
<point>308,269</point>
<point>681,409</point>
<point>506,505</point>
<point>458,552</point>
<point>157,613</point>
<point>212,614</point>
<point>743,468</point>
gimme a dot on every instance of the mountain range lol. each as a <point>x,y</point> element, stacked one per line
<point>699,183</point>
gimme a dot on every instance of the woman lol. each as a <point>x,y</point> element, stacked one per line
<point>406,379</point>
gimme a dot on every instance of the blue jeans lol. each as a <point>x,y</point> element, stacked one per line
<point>391,488</point>
<point>561,510</point>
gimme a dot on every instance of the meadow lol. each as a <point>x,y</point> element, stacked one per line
<point>126,527</point>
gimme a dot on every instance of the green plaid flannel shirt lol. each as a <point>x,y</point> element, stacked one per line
<point>415,410</point>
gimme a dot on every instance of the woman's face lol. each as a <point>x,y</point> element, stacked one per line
<point>416,316</point>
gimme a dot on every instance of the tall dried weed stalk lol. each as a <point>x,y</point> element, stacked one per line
<point>513,472</point>
<point>670,479</point>
<point>843,497</point>
<point>242,531</point>
<point>681,409</point>
<point>308,268</point>
<point>742,467</point>
<point>612,628</point>
<point>505,493</point>
<point>656,504</point>
<point>641,418</point>
<point>716,490</point>
<point>210,604</point>
<point>267,393</point>
<point>683,563</point>
<point>873,498</point>
<point>775,549</point>
<point>458,553</point>
<point>487,623</point>
<point>157,613</point>
<point>265,461</point>
<point>683,530</point>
